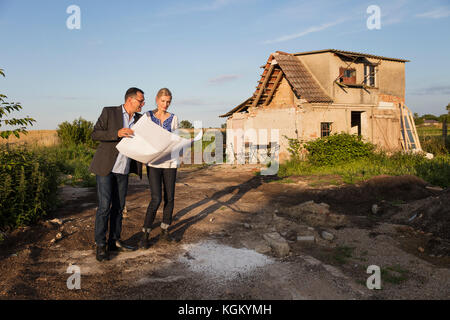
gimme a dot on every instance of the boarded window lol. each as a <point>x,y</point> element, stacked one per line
<point>347,76</point>
<point>325,129</point>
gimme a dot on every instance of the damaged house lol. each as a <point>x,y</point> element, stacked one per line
<point>314,94</point>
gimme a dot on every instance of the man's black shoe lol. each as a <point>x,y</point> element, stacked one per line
<point>144,243</point>
<point>118,245</point>
<point>102,254</point>
<point>165,236</point>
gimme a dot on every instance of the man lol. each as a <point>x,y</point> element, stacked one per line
<point>112,169</point>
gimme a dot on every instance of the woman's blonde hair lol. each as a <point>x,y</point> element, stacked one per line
<point>164,92</point>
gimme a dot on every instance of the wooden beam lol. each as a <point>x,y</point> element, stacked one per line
<point>405,133</point>
<point>412,125</point>
<point>272,92</point>
<point>255,102</point>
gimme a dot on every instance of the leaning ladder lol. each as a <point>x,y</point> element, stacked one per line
<point>410,139</point>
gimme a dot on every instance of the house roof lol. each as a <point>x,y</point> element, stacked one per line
<point>301,80</point>
<point>350,54</point>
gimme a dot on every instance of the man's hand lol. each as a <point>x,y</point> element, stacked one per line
<point>125,133</point>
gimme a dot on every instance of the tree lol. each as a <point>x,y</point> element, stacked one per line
<point>7,108</point>
<point>442,117</point>
<point>224,126</point>
<point>430,117</point>
<point>76,133</point>
<point>186,125</point>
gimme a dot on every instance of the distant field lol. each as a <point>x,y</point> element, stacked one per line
<point>429,131</point>
<point>34,137</point>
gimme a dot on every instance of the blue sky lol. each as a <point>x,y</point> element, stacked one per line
<point>207,52</point>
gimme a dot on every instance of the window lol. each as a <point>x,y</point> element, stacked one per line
<point>325,129</point>
<point>369,75</point>
<point>347,76</point>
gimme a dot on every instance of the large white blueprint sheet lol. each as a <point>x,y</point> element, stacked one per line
<point>151,144</point>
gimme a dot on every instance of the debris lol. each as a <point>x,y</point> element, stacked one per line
<point>263,249</point>
<point>334,271</point>
<point>310,260</point>
<point>57,222</point>
<point>247,226</point>
<point>375,209</point>
<point>412,218</point>
<point>291,235</point>
<point>327,235</point>
<point>278,244</point>
<point>422,250</point>
<point>316,214</point>
<point>211,220</point>
<point>306,238</point>
<point>433,188</point>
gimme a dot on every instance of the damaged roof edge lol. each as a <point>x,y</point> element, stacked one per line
<point>350,53</point>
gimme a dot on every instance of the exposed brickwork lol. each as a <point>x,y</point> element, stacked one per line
<point>389,98</point>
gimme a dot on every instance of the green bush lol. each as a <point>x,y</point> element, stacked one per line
<point>435,171</point>
<point>28,186</point>
<point>76,133</point>
<point>337,148</point>
<point>435,144</point>
<point>73,160</point>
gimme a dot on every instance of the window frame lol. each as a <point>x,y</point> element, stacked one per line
<point>329,130</point>
<point>347,80</point>
<point>368,79</point>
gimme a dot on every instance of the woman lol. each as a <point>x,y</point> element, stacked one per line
<point>162,173</point>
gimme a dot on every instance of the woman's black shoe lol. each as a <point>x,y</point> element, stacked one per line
<point>165,236</point>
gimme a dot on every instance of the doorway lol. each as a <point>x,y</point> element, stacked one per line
<point>356,122</point>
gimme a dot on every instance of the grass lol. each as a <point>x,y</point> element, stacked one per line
<point>342,254</point>
<point>43,138</point>
<point>282,181</point>
<point>436,171</point>
<point>428,131</point>
<point>322,182</point>
<point>394,274</point>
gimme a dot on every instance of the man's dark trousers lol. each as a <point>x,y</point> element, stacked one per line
<point>111,192</point>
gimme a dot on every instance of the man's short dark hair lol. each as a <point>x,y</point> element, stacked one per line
<point>132,92</point>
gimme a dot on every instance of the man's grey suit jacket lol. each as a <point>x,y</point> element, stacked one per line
<point>105,131</point>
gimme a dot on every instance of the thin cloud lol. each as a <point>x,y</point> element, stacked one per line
<point>436,90</point>
<point>212,6</point>
<point>224,79</point>
<point>304,33</point>
<point>438,13</point>
<point>65,98</point>
<point>191,102</point>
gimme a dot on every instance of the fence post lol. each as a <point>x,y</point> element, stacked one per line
<point>444,132</point>
<point>444,128</point>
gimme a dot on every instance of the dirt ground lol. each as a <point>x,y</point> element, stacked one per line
<point>222,214</point>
